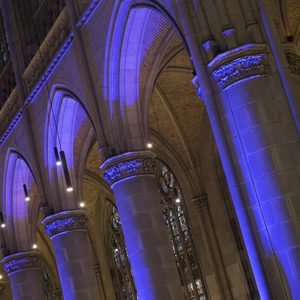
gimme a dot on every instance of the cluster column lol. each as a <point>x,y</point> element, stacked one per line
<point>131,176</point>
<point>25,275</point>
<point>68,233</point>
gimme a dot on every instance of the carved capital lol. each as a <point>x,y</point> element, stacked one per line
<point>239,64</point>
<point>200,202</point>
<point>65,221</point>
<point>21,261</point>
<point>129,164</point>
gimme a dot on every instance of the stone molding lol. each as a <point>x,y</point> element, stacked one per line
<point>200,202</point>
<point>21,261</point>
<point>9,115</point>
<point>65,221</point>
<point>88,12</point>
<point>242,63</point>
<point>127,165</point>
<point>35,76</point>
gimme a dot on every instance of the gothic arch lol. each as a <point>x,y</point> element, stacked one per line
<point>69,128</point>
<point>20,215</point>
<point>131,65</point>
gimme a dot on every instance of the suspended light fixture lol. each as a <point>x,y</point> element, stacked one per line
<point>3,225</point>
<point>57,159</point>
<point>27,198</point>
<point>66,171</point>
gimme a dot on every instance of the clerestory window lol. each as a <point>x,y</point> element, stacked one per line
<point>121,272</point>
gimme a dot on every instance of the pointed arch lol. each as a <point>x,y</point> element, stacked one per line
<point>68,127</point>
<point>141,30</point>
<point>20,215</point>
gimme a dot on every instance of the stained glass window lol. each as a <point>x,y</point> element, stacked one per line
<point>121,273</point>
<point>173,207</point>
<point>49,292</point>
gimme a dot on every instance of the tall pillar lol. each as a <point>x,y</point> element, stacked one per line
<point>25,275</point>
<point>259,148</point>
<point>68,233</point>
<point>131,176</point>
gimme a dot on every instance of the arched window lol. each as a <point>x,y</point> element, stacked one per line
<point>121,272</point>
<point>173,207</point>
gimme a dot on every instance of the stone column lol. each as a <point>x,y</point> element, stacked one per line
<point>68,233</point>
<point>259,148</point>
<point>25,275</point>
<point>131,176</point>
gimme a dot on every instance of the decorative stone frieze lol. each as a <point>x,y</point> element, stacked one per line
<point>129,164</point>
<point>21,261</point>
<point>35,74</point>
<point>9,115</point>
<point>65,221</point>
<point>293,60</point>
<point>239,64</point>
<point>47,53</point>
<point>241,68</point>
<point>35,83</point>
